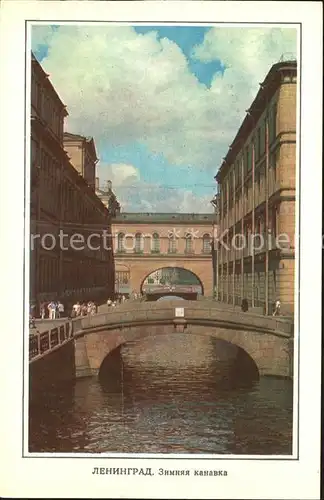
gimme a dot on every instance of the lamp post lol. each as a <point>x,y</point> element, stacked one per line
<point>214,244</point>
<point>117,286</point>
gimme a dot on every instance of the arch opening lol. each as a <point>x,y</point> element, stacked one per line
<point>170,297</point>
<point>172,279</point>
<point>224,365</point>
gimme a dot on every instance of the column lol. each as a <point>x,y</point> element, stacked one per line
<point>234,228</point>
<point>253,217</point>
<point>227,227</point>
<point>267,215</point>
<point>221,246</point>
<point>242,227</point>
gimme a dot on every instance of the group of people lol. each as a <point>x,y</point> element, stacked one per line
<point>119,300</point>
<point>50,310</point>
<point>55,310</point>
<point>275,307</point>
<point>84,309</point>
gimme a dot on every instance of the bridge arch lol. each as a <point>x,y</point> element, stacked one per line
<point>269,349</point>
<point>243,368</point>
<point>174,273</point>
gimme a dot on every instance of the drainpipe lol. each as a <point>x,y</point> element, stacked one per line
<point>267,216</point>
<point>242,226</point>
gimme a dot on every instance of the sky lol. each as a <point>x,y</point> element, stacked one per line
<point>163,103</point>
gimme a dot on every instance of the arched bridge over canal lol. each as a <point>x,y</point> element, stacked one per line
<point>79,348</point>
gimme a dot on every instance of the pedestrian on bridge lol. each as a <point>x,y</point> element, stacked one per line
<point>42,310</point>
<point>276,308</point>
<point>60,309</point>
<point>51,309</point>
<point>244,305</point>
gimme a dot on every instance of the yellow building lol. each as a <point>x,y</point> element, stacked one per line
<point>256,193</point>
<point>82,154</point>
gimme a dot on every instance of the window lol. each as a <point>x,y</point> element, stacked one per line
<point>258,143</point>
<point>262,137</point>
<point>206,243</point>
<point>120,244</point>
<point>155,243</point>
<point>189,246</point>
<point>35,152</point>
<point>39,98</point>
<point>172,244</point>
<point>138,243</point>
<point>249,157</point>
<point>273,123</point>
<point>237,173</point>
<point>273,221</point>
<point>122,277</point>
<point>247,160</point>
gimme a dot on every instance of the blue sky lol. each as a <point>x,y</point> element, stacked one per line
<point>162,102</point>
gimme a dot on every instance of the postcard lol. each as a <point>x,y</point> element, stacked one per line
<point>161,293</point>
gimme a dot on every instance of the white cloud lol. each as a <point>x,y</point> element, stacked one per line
<point>120,86</point>
<point>119,173</point>
<point>136,195</point>
<point>248,54</point>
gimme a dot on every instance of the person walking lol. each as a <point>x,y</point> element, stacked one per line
<point>32,314</point>
<point>109,302</point>
<point>51,310</point>
<point>60,309</point>
<point>277,306</point>
<point>76,309</point>
<point>42,310</point>
<point>244,305</point>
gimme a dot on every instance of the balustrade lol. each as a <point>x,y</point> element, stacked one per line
<point>40,343</point>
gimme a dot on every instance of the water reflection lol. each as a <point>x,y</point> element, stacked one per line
<point>167,395</point>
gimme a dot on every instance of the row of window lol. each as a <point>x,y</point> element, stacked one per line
<point>229,188</point>
<point>260,226</point>
<point>61,198</point>
<point>138,245</point>
<point>246,155</point>
<point>73,276</point>
<point>122,277</point>
<point>259,192</point>
<point>46,107</point>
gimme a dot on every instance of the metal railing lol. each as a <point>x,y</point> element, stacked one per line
<point>39,343</point>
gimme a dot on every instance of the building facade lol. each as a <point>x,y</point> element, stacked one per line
<point>108,197</point>
<point>256,199</point>
<point>148,245</point>
<point>62,206</point>
<point>82,154</point>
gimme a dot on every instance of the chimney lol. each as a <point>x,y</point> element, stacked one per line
<point>97,183</point>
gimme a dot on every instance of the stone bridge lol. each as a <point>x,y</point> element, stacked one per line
<point>267,340</point>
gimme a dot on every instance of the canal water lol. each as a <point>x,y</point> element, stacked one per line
<point>175,394</point>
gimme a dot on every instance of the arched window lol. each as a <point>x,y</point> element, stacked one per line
<point>206,243</point>
<point>120,242</point>
<point>189,244</point>
<point>155,243</point>
<point>138,243</point>
<point>172,244</point>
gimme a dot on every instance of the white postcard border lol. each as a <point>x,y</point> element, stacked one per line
<point>70,477</point>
